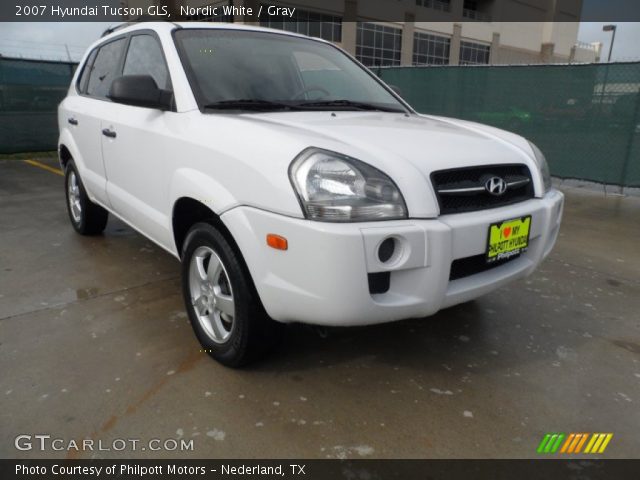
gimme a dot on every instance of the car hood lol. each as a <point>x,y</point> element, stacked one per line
<point>406,147</point>
<point>430,143</point>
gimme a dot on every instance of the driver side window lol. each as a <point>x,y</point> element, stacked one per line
<point>145,57</point>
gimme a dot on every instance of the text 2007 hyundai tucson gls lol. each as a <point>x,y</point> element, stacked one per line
<point>293,184</point>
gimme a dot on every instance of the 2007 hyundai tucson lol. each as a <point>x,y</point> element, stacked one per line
<point>293,184</point>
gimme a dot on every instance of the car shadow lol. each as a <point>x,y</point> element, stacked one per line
<point>422,343</point>
<point>493,334</point>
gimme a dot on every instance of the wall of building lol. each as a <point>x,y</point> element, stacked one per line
<point>551,39</point>
<point>586,53</point>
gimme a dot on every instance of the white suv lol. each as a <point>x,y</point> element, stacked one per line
<point>293,184</point>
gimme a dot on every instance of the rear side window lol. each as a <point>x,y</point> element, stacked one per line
<point>145,57</point>
<point>105,68</point>
<point>86,71</point>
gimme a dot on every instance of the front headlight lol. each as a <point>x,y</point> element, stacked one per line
<point>336,188</point>
<point>543,167</point>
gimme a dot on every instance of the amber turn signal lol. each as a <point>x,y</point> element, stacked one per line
<point>277,242</point>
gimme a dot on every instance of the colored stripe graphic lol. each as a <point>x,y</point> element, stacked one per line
<point>556,445</point>
<point>591,442</point>
<point>598,442</point>
<point>543,443</point>
<point>606,441</point>
<point>567,443</point>
<point>550,443</point>
<point>581,442</point>
<point>547,448</point>
<point>572,443</point>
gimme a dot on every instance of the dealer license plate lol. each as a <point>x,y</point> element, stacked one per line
<point>508,239</point>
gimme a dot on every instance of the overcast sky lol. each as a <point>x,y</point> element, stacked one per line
<point>626,46</point>
<point>47,40</point>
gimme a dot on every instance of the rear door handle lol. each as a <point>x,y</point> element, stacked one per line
<point>109,133</point>
<point>73,121</point>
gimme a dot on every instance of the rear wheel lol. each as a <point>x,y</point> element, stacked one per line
<point>223,306</point>
<point>86,217</point>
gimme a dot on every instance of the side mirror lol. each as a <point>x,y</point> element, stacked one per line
<point>396,89</point>
<point>140,91</point>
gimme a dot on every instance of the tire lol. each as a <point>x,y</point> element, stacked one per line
<point>221,300</point>
<point>86,217</point>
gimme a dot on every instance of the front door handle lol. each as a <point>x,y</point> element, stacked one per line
<point>109,133</point>
<point>73,121</point>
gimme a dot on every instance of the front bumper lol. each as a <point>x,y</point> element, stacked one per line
<point>322,277</point>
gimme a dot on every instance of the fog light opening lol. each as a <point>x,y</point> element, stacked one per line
<point>388,250</point>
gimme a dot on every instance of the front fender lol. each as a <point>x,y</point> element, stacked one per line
<point>191,183</point>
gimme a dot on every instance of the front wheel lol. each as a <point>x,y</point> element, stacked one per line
<point>86,217</point>
<point>222,303</point>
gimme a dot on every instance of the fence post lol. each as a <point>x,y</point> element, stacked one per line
<point>605,81</point>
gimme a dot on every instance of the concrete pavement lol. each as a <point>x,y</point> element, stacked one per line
<point>95,344</point>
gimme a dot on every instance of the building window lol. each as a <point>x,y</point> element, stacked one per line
<point>472,9</point>
<point>378,45</point>
<point>442,5</point>
<point>430,49</point>
<point>220,17</point>
<point>327,27</point>
<point>474,53</point>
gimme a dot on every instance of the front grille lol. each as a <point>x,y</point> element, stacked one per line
<point>465,267</point>
<point>463,189</point>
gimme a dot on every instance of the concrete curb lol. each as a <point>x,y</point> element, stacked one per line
<point>606,189</point>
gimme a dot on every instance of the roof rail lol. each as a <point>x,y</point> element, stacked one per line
<point>115,28</point>
<point>140,19</point>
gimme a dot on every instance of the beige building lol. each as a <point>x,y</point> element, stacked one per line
<point>428,34</point>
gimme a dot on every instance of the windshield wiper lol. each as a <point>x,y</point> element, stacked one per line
<point>266,105</point>
<point>349,104</point>
<point>249,104</point>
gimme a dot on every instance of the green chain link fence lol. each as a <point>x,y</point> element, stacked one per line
<point>30,92</point>
<point>585,118</point>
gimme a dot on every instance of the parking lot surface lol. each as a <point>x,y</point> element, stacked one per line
<point>95,344</point>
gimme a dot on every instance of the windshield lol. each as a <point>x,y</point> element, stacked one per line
<point>250,70</point>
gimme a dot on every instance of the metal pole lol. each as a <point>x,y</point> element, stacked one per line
<point>68,54</point>
<point>613,39</point>
<point>607,28</point>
